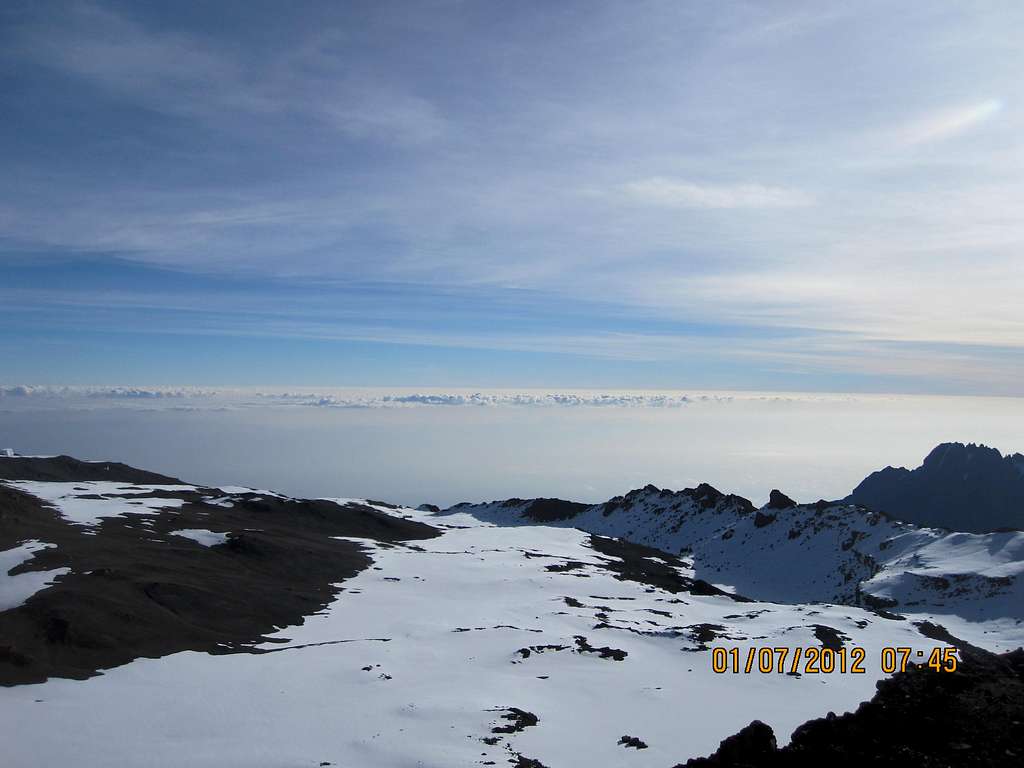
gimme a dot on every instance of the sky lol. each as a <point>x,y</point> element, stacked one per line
<point>792,196</point>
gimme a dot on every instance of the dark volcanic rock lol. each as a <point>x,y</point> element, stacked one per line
<point>829,638</point>
<point>702,634</point>
<point>969,488</point>
<point>749,747</point>
<point>708,496</point>
<point>136,590</point>
<point>518,721</point>
<point>705,496</point>
<point>646,565</point>
<point>527,762</point>
<point>632,741</point>
<point>605,652</point>
<point>66,469</point>
<point>778,500</point>
<point>971,717</point>
<point>552,510</point>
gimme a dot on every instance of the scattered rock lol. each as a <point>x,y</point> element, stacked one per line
<point>632,741</point>
<point>829,638</point>
<point>519,720</point>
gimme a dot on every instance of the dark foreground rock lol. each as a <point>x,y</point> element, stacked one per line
<point>920,719</point>
<point>137,590</point>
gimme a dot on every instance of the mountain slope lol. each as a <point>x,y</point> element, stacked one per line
<point>825,552</point>
<point>99,573</point>
<point>346,632</point>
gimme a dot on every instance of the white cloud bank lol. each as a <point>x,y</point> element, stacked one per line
<point>23,397</point>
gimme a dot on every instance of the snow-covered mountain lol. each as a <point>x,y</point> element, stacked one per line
<point>148,621</point>
<point>961,487</point>
<point>831,552</point>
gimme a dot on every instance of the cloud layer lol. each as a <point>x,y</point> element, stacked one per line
<point>23,397</point>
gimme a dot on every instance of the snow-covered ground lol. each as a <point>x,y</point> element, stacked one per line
<point>87,503</point>
<point>15,590</point>
<point>971,583</point>
<point>200,536</point>
<point>421,657</point>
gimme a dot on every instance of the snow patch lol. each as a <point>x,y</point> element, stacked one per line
<point>198,535</point>
<point>87,503</point>
<point>15,590</point>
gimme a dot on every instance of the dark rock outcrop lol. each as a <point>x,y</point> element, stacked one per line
<point>65,469</point>
<point>552,510</point>
<point>135,589</point>
<point>778,500</point>
<point>971,717</point>
<point>748,747</point>
<point>970,488</point>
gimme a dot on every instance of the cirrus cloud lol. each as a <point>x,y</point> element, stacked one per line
<point>681,193</point>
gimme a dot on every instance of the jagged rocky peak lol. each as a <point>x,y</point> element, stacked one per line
<point>970,487</point>
<point>957,456</point>
<point>1017,462</point>
<point>778,500</point>
<point>704,497</point>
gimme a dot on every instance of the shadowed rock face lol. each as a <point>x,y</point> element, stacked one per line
<point>778,500</point>
<point>135,589</point>
<point>971,717</point>
<point>65,469</point>
<point>969,488</point>
<point>549,510</point>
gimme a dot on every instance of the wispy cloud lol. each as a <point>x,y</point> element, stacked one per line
<point>190,77</point>
<point>680,193</point>
<point>746,172</point>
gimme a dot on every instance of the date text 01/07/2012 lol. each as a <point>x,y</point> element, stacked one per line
<point>817,660</point>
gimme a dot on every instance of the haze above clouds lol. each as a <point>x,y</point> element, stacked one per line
<point>730,195</point>
<point>445,446</point>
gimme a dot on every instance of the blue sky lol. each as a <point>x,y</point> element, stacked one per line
<point>771,195</point>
